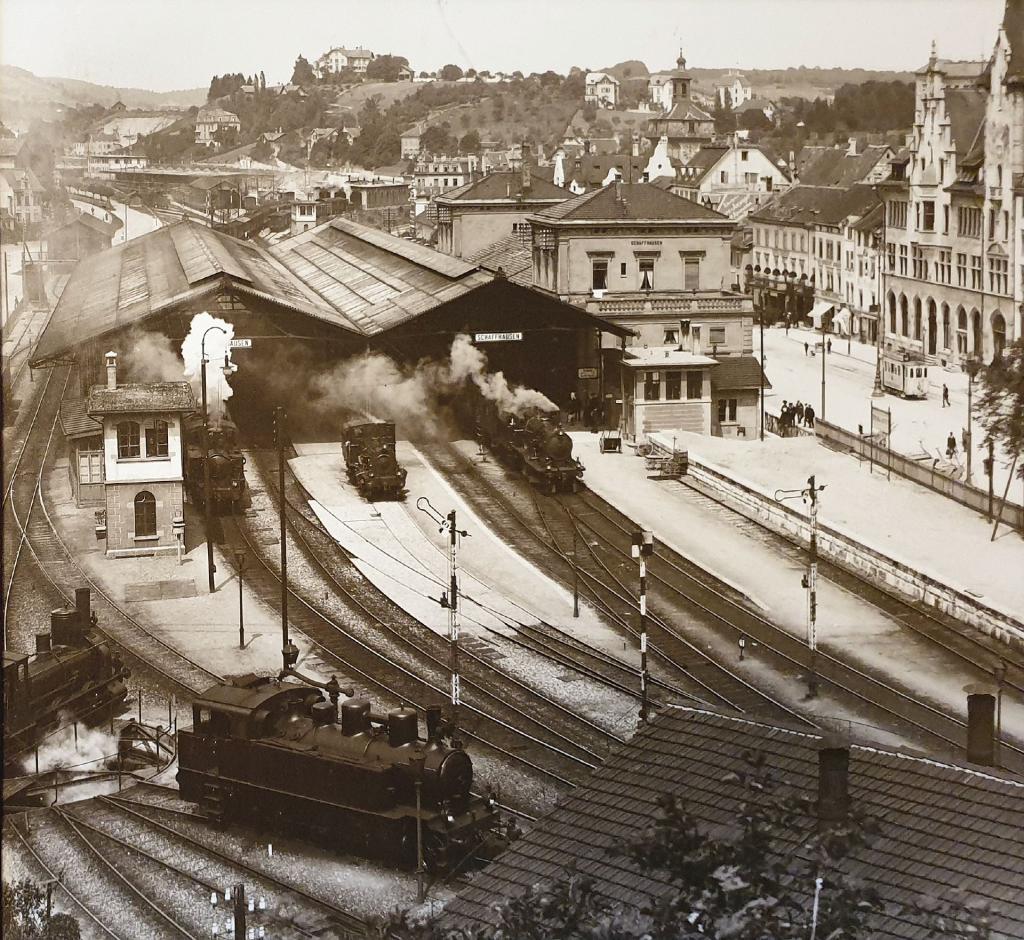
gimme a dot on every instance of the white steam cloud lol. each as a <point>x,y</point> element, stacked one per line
<point>151,357</point>
<point>377,385</point>
<point>218,391</point>
<point>61,752</point>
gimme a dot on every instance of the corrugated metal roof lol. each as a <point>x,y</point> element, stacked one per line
<point>941,826</point>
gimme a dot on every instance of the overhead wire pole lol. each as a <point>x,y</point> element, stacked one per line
<point>810,579</point>
<point>450,600</point>
<point>643,548</point>
<point>289,652</point>
<point>211,567</point>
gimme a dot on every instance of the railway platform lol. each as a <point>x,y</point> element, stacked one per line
<point>768,570</point>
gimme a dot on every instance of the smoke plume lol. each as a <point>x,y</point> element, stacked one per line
<point>150,357</point>
<point>60,752</point>
<point>469,362</point>
<point>218,391</point>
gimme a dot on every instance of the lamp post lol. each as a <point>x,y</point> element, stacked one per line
<point>822,367</point>
<point>240,564</point>
<point>211,567</point>
<point>972,365</point>
<point>643,548</point>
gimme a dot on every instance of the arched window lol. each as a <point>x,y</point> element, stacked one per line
<point>904,317</point>
<point>145,514</point>
<point>156,439</point>
<point>946,344</point>
<point>892,312</point>
<point>128,440</point>
<point>961,331</point>
<point>917,318</point>
<point>976,335</point>
<point>998,334</point>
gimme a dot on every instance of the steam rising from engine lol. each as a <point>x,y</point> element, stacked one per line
<point>218,391</point>
<point>62,751</point>
<point>469,362</point>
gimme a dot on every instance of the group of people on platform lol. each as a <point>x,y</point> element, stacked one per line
<point>590,412</point>
<point>794,414</point>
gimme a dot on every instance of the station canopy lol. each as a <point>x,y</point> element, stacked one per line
<point>357,279</point>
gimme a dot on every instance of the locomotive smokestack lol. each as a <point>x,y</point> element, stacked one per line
<point>433,722</point>
<point>112,370</point>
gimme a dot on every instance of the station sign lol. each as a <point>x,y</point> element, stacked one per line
<point>497,337</point>
<point>586,372</point>
<point>239,344</point>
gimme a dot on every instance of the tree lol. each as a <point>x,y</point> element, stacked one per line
<point>470,143</point>
<point>25,915</point>
<point>437,139</point>
<point>752,883</point>
<point>451,73</point>
<point>263,81</point>
<point>302,74</point>
<point>386,68</point>
<point>1001,402</point>
<point>470,73</point>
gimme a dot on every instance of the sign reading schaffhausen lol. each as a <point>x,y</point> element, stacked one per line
<point>497,337</point>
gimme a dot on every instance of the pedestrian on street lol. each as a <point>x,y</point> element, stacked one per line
<point>950,446</point>
<point>945,396</point>
<point>800,412</point>
<point>809,416</point>
<point>806,348</point>
<point>574,407</point>
<point>784,414</point>
<point>828,346</point>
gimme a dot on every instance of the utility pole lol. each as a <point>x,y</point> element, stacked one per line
<point>973,364</point>
<point>289,652</point>
<point>207,500</point>
<point>240,564</point>
<point>810,579</point>
<point>822,367</point>
<point>450,600</point>
<point>643,548</point>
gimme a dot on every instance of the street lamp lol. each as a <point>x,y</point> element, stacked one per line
<point>972,365</point>
<point>211,567</point>
<point>240,565</point>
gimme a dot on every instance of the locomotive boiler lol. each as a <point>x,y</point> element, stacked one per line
<point>73,675</point>
<point>228,489</point>
<point>533,443</point>
<point>370,462</point>
<point>279,752</point>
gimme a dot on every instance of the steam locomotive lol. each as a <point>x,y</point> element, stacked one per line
<point>275,750</point>
<point>533,443</point>
<point>370,461</point>
<point>228,489</point>
<point>73,674</point>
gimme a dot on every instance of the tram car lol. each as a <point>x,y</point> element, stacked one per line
<point>533,443</point>
<point>277,752</point>
<point>904,374</point>
<point>73,675</point>
<point>370,462</point>
<point>229,491</point>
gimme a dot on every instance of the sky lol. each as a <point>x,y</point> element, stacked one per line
<point>172,44</point>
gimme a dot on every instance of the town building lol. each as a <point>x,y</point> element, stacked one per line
<point>107,165</point>
<point>21,197</point>
<point>952,235</point>
<point>733,178</point>
<point>10,149</point>
<point>97,144</point>
<point>476,215</point>
<point>602,89</point>
<point>659,91</point>
<point>687,127</point>
<point>434,175</point>
<point>211,120</point>
<point>733,90</point>
<point>843,166</point>
<point>338,59</point>
<point>143,462</point>
<point>84,235</point>
<point>936,824</point>
<point>378,194</point>
<point>762,106</point>
<point>658,265</point>
<point>410,140</point>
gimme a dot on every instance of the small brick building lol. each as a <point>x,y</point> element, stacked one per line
<point>142,461</point>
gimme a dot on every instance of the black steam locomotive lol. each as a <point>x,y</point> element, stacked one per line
<point>275,751</point>
<point>370,461</point>
<point>228,488</point>
<point>73,675</point>
<point>533,443</point>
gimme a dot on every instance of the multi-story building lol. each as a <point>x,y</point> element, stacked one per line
<point>659,90</point>
<point>687,127</point>
<point>338,59</point>
<point>21,197</point>
<point>732,90</point>
<point>950,232</point>
<point>731,178</point>
<point>601,89</point>
<point>210,120</point>
<point>657,264</point>
<point>494,207</point>
<point>435,175</point>
<point>861,241</point>
<point>843,166</point>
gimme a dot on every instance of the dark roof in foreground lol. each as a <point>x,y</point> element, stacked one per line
<point>942,826</point>
<point>737,372</point>
<point>510,256</point>
<point>142,398</point>
<point>632,201</point>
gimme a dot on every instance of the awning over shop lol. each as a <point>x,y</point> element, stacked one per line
<point>819,310</point>
<point>841,323</point>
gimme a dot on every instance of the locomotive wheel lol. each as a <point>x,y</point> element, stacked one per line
<point>434,856</point>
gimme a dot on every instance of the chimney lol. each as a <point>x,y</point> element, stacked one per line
<point>833,781</point>
<point>112,370</point>
<point>981,711</point>
<point>636,145</point>
<point>524,168</point>
<point>851,147</point>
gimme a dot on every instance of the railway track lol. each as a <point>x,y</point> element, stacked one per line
<point>676,660</point>
<point>678,581</point>
<point>402,674</point>
<point>35,543</point>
